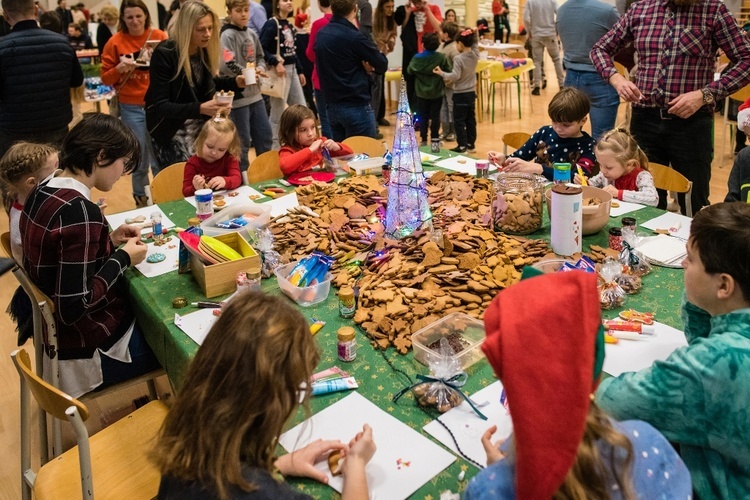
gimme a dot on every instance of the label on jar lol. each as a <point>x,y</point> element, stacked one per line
<point>204,203</point>
<point>347,306</point>
<point>347,350</point>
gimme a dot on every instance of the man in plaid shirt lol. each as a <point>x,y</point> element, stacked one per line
<point>674,92</point>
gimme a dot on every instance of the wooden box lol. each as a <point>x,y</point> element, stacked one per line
<point>220,279</point>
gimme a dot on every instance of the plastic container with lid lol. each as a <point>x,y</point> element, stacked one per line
<point>464,333</point>
<point>304,296</point>
<point>517,206</point>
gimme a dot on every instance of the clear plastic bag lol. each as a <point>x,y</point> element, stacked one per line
<point>611,295</point>
<point>262,241</point>
<point>445,366</point>
<point>634,260</point>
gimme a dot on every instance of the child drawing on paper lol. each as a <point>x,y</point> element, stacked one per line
<point>247,379</point>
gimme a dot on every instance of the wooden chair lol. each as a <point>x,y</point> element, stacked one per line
<point>265,167</point>
<point>741,96</point>
<point>364,144</point>
<point>628,110</point>
<point>514,140</point>
<point>167,185</point>
<point>669,179</point>
<point>113,463</point>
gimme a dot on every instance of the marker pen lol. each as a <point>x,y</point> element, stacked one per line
<point>206,305</point>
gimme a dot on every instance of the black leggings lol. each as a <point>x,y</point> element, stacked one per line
<point>500,22</point>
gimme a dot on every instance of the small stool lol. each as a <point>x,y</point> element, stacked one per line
<point>391,76</point>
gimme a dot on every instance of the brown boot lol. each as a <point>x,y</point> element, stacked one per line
<point>140,200</point>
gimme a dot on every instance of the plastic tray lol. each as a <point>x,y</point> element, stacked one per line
<point>304,296</point>
<point>472,333</point>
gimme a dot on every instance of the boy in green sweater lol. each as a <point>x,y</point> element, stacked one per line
<point>429,88</point>
<point>699,396</point>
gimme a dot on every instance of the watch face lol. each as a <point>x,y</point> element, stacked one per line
<point>708,97</point>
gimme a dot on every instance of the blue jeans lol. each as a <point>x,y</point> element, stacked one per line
<point>348,120</point>
<point>686,145</point>
<point>603,97</point>
<point>134,117</point>
<point>254,128</point>
<point>320,103</point>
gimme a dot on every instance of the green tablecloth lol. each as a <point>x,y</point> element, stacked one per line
<point>661,293</point>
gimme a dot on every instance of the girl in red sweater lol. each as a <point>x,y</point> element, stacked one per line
<point>214,164</point>
<point>301,148</point>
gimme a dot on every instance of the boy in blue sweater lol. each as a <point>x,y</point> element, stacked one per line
<point>562,142</point>
<point>699,396</point>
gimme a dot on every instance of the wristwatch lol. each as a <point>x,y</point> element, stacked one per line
<point>708,97</point>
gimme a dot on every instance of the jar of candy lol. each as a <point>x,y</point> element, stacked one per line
<point>517,205</point>
<point>347,302</point>
<point>615,238</point>
<point>347,344</point>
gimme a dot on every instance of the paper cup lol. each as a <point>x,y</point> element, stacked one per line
<point>204,203</point>
<point>249,74</point>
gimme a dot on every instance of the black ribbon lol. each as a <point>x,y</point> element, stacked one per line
<point>455,382</point>
<point>629,254</point>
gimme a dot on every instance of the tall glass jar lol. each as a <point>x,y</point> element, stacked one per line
<point>517,205</point>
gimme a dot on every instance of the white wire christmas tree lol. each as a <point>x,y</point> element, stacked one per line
<point>407,209</point>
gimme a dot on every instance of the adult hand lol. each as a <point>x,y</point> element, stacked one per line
<point>361,449</point>
<point>332,145</point>
<point>124,233</point>
<point>685,105</point>
<point>300,463</point>
<point>280,69</point>
<point>625,88</point>
<point>302,80</point>
<point>126,65</point>
<point>316,145</point>
<point>368,67</point>
<point>137,251</point>
<point>216,183</point>
<point>612,190</point>
<point>492,449</point>
<point>513,164</point>
<point>199,182</point>
<point>210,108</point>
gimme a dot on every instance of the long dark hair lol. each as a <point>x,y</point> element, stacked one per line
<point>381,22</point>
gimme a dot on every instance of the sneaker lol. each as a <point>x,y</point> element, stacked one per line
<point>535,91</point>
<point>471,149</point>
<point>384,123</point>
<point>378,135</point>
<point>141,200</point>
<point>423,144</point>
<point>458,149</point>
<point>544,83</point>
<point>450,138</point>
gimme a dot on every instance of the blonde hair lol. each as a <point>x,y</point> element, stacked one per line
<point>290,120</point>
<point>241,387</point>
<point>23,159</point>
<point>588,478</point>
<point>220,126</point>
<point>182,33</point>
<point>623,146</point>
<point>109,12</point>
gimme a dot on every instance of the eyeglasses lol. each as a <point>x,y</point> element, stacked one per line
<point>301,391</point>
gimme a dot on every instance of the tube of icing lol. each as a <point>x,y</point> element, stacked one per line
<point>335,385</point>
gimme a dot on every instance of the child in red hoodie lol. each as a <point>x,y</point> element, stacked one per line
<point>214,164</point>
<point>301,148</point>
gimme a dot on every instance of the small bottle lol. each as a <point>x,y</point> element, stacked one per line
<point>347,346</point>
<point>253,279</point>
<point>347,302</point>
<point>483,169</point>
<point>157,228</point>
<point>183,260</point>
<point>615,238</point>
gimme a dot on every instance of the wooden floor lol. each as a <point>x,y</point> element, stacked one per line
<point>119,199</point>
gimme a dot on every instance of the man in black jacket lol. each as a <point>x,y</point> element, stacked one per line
<point>65,15</point>
<point>37,70</point>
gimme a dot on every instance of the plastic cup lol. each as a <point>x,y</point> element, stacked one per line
<point>204,199</point>
<point>249,75</point>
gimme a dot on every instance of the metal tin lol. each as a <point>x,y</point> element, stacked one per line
<point>179,302</point>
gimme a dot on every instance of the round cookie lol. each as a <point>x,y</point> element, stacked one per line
<point>155,258</point>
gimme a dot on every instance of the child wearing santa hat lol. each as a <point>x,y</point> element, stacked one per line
<point>563,445</point>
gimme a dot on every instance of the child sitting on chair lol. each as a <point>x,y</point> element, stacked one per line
<point>301,148</point>
<point>562,142</point>
<point>214,164</point>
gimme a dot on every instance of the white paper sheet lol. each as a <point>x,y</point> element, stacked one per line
<point>428,157</point>
<point>387,478</point>
<point>196,324</point>
<point>118,219</point>
<point>677,224</point>
<point>634,355</point>
<point>171,250</point>
<point>243,196</point>
<point>663,250</point>
<point>468,427</point>
<point>459,164</point>
<point>279,206</point>
<point>625,207</point>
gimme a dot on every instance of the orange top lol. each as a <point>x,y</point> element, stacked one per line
<point>121,44</point>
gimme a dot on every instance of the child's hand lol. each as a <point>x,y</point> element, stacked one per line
<point>437,70</point>
<point>491,449</point>
<point>612,190</point>
<point>332,145</point>
<point>316,145</point>
<point>216,183</point>
<point>496,157</point>
<point>135,248</point>
<point>513,164</point>
<point>577,179</point>
<point>302,79</point>
<point>361,449</point>
<point>300,463</point>
<point>199,182</point>
<point>280,69</point>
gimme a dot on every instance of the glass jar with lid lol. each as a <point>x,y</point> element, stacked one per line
<point>517,205</point>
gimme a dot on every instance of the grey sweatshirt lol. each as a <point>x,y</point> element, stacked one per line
<point>463,78</point>
<point>539,17</point>
<point>240,46</point>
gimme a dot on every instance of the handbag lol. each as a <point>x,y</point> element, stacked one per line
<point>274,85</point>
<point>114,101</point>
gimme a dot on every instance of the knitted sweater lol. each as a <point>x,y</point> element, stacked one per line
<point>119,45</point>
<point>301,160</point>
<point>227,167</point>
<point>637,186</point>
<point>558,149</point>
<point>698,398</point>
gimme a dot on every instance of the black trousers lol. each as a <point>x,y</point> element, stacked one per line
<point>464,118</point>
<point>428,111</point>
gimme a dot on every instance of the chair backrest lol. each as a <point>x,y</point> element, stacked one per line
<point>515,140</point>
<point>5,242</point>
<point>669,179</point>
<point>52,400</point>
<point>742,94</point>
<point>265,167</point>
<point>364,144</point>
<point>167,185</point>
<point>622,70</point>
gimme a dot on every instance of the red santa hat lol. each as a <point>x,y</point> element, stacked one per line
<point>542,343</point>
